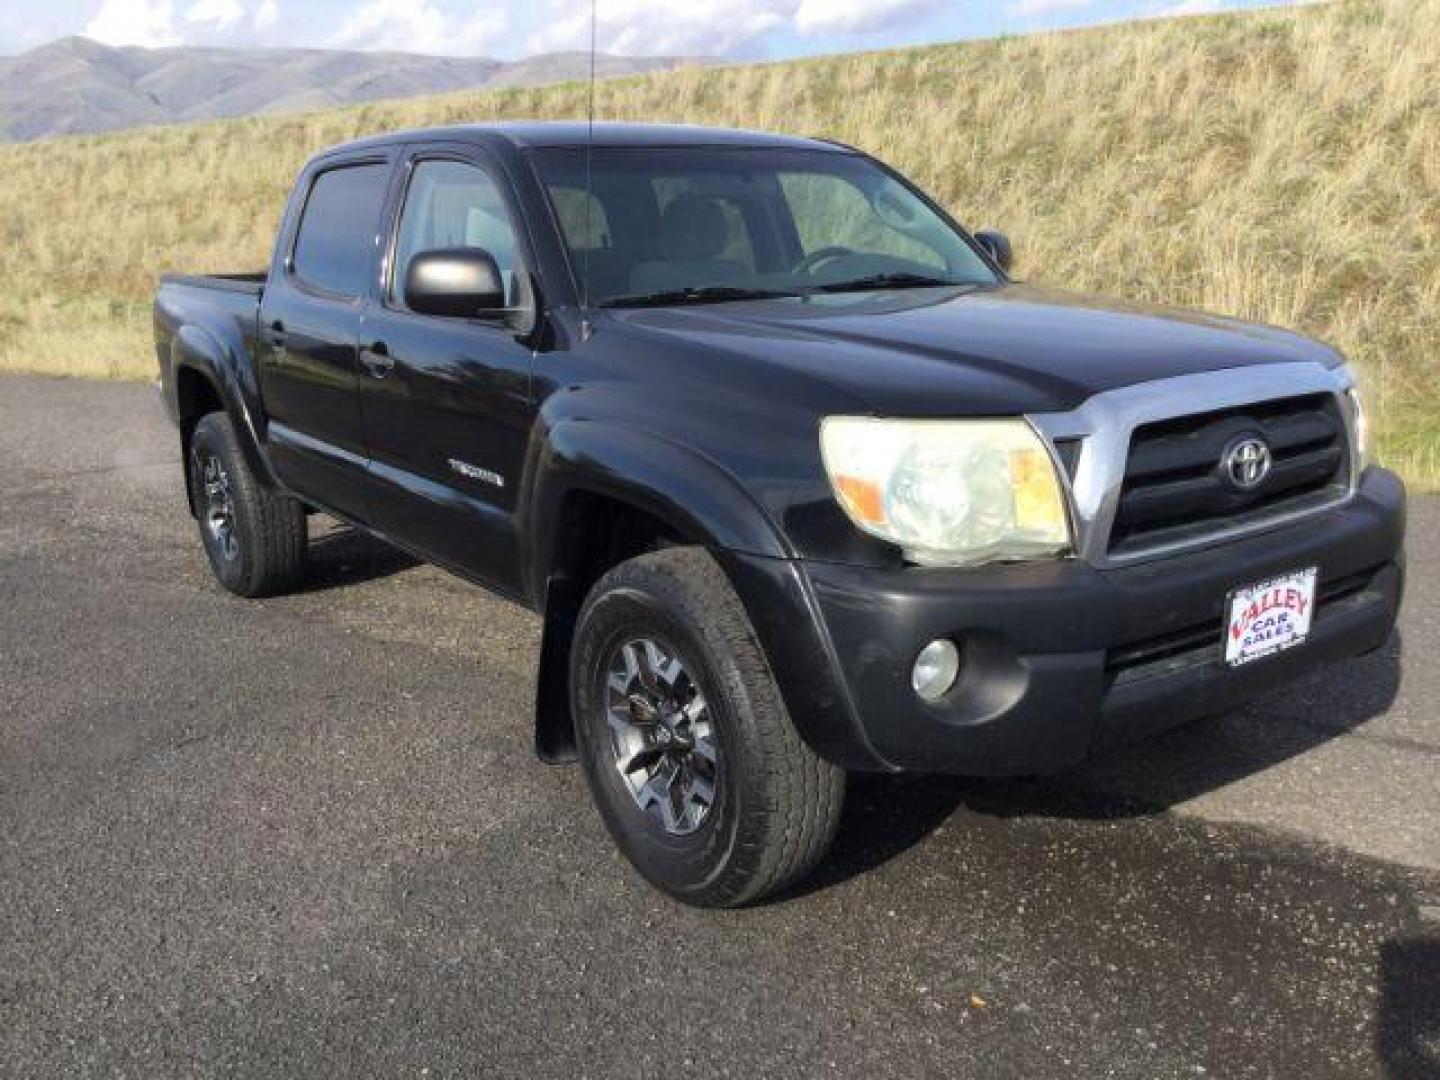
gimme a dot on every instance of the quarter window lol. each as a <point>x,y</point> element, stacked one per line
<point>336,243</point>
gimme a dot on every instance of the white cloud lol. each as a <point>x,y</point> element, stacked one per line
<point>470,27</point>
<point>694,27</point>
<point>1030,9</point>
<point>713,27</point>
<point>816,17</point>
<point>395,24</point>
<point>155,23</point>
<point>146,23</point>
<point>215,14</point>
<point>420,26</point>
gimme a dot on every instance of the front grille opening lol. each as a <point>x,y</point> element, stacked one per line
<point>1175,489</point>
<point>1202,643</point>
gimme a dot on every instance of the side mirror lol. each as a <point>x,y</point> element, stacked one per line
<point>455,283</point>
<point>997,246</point>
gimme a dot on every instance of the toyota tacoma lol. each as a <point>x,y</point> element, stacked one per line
<point>800,481</point>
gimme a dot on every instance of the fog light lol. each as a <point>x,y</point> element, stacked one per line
<point>936,669</point>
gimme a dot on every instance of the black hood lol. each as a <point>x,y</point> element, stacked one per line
<point>1008,350</point>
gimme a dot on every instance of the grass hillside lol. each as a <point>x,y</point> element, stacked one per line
<point>1280,165</point>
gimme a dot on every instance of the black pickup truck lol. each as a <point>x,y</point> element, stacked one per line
<point>799,479</point>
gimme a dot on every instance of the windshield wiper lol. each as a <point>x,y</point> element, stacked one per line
<point>900,280</point>
<point>707,294</point>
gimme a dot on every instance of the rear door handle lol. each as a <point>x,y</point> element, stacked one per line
<point>377,360</point>
<point>275,335</point>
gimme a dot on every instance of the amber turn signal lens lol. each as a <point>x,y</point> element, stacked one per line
<point>1037,498</point>
<point>862,498</point>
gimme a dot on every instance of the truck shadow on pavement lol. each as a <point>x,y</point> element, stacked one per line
<point>340,556</point>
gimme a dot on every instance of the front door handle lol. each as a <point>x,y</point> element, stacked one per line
<point>377,360</point>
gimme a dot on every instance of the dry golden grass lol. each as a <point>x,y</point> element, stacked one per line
<point>1280,165</point>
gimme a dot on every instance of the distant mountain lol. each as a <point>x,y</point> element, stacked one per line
<point>75,85</point>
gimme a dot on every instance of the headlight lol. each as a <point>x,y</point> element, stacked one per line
<point>950,492</point>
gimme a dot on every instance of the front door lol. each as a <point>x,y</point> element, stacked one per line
<point>446,401</point>
<point>309,335</point>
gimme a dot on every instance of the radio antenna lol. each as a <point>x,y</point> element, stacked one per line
<point>585,327</point>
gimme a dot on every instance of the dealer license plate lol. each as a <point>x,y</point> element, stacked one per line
<point>1269,617</point>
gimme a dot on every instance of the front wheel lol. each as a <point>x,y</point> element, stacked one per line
<point>690,754</point>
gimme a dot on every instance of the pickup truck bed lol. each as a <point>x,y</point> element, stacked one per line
<point>252,282</point>
<point>227,307</point>
<point>233,295</point>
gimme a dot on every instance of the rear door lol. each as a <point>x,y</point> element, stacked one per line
<point>447,401</point>
<point>326,263</point>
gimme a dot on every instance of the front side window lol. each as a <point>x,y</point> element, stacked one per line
<point>450,204</point>
<point>727,221</point>
<point>336,241</point>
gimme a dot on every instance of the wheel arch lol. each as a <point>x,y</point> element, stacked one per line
<point>603,494</point>
<point>206,380</point>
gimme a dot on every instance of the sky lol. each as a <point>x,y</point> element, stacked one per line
<point>733,29</point>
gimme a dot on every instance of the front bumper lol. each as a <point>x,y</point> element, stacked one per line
<point>1060,657</point>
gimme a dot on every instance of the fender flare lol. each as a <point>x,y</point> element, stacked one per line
<point>196,349</point>
<point>691,494</point>
<point>703,504</point>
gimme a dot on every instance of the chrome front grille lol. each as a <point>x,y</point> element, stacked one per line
<point>1144,461</point>
<point>1176,485</point>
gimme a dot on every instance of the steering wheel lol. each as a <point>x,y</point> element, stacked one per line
<point>811,262</point>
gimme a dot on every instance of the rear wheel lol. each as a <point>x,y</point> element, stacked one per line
<point>253,535</point>
<point>690,754</point>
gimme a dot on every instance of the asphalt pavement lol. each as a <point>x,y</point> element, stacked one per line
<point>307,837</point>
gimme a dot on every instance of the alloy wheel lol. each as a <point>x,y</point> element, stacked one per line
<point>661,735</point>
<point>218,516</point>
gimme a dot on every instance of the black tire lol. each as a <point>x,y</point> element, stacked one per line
<point>776,804</point>
<point>261,551</point>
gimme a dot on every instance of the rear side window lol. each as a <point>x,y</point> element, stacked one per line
<point>336,242</point>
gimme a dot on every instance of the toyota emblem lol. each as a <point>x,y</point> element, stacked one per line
<point>1247,462</point>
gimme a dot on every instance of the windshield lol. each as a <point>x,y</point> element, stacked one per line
<point>707,224</point>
